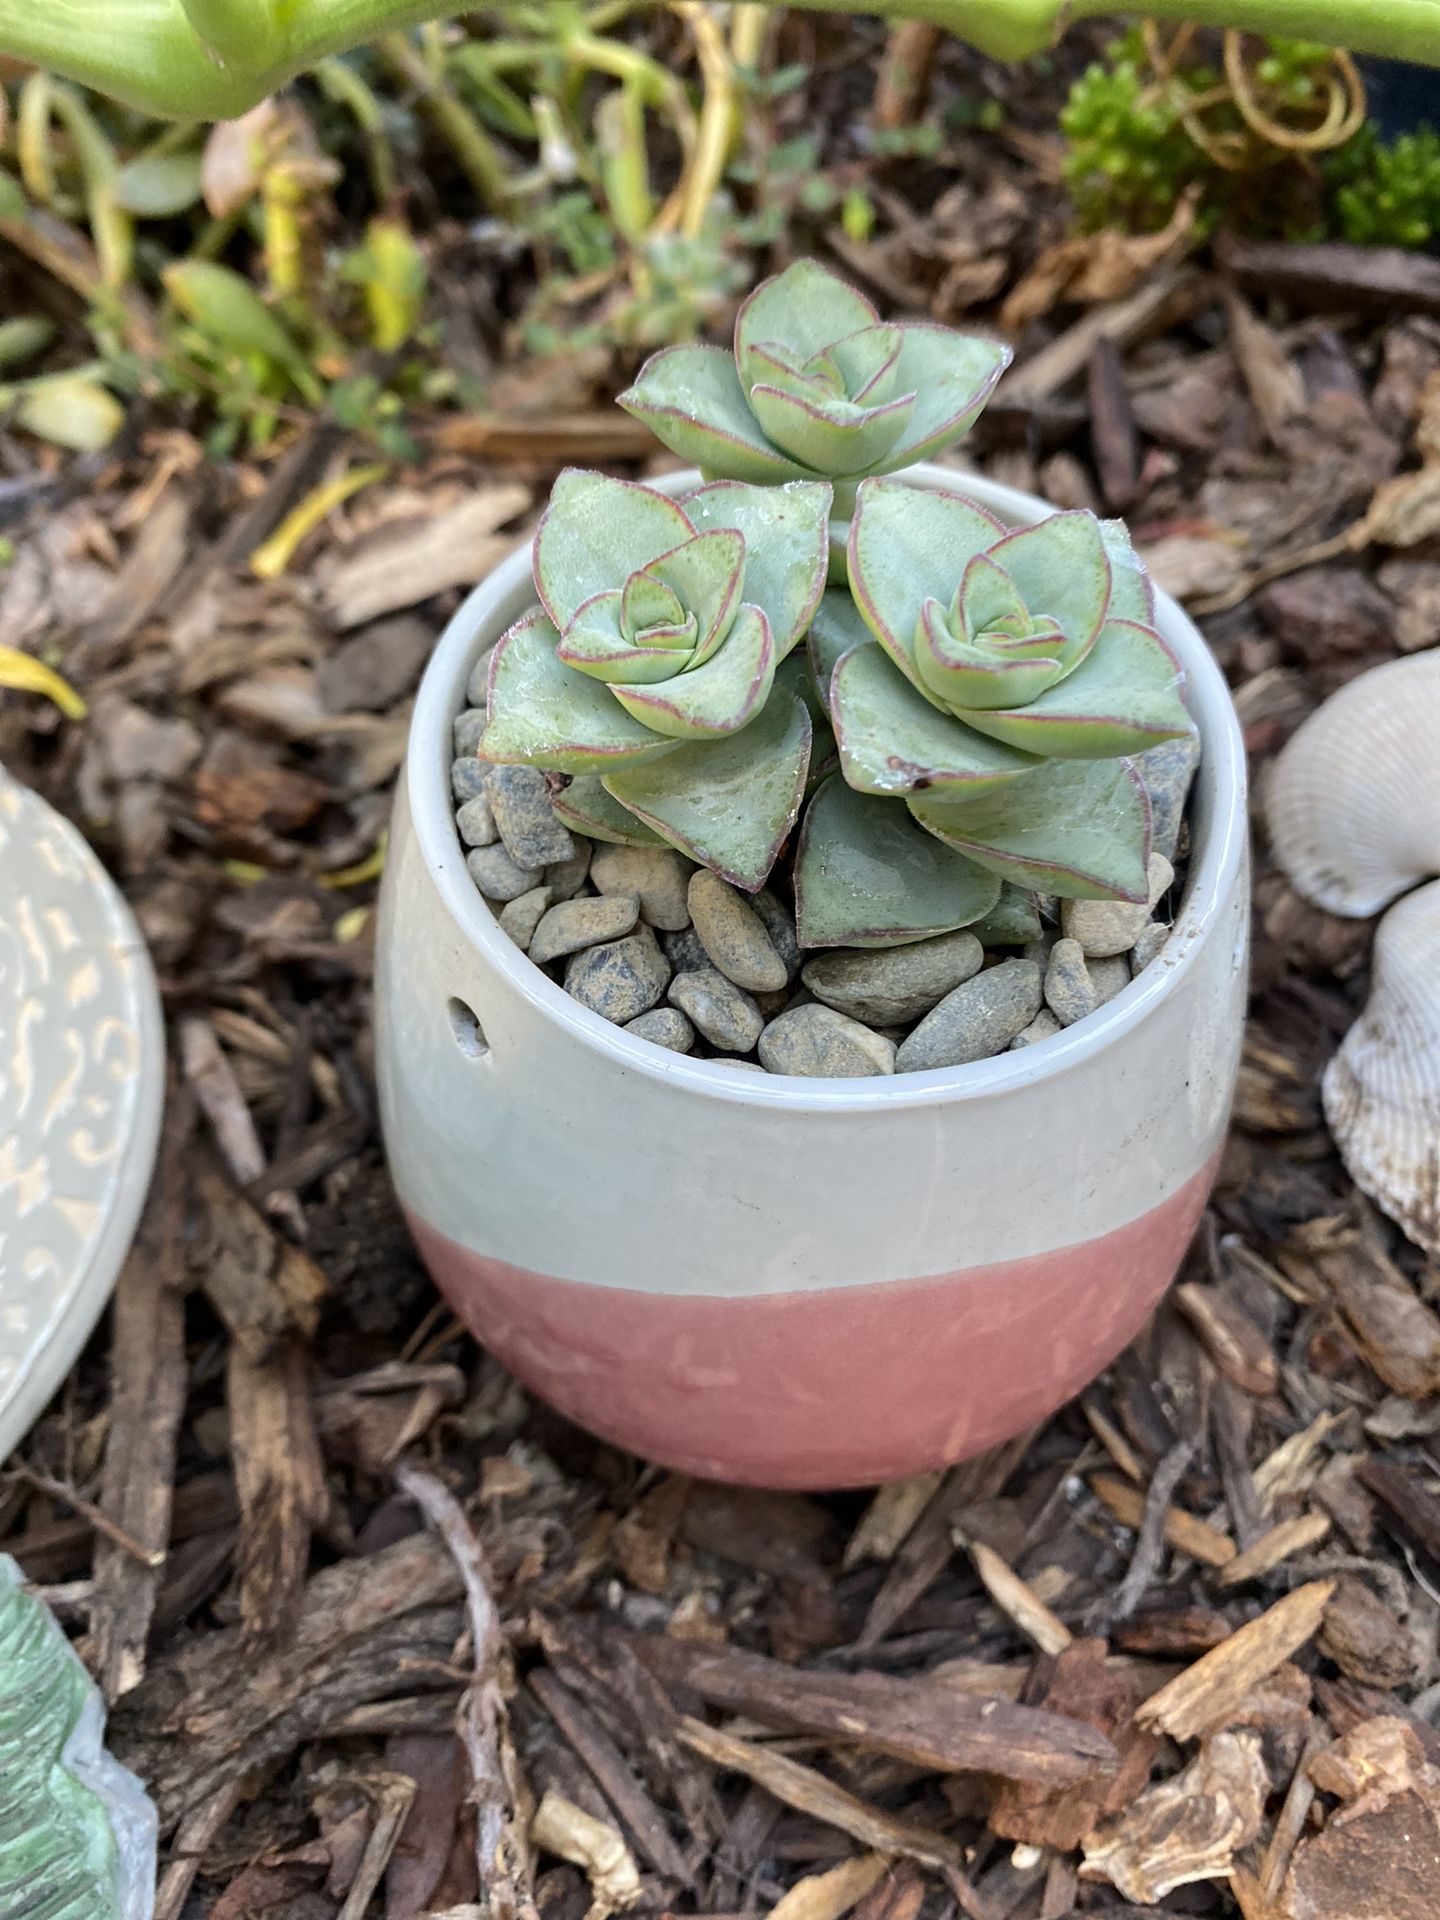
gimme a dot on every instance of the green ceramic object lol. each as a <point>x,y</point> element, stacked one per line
<point>77,1833</point>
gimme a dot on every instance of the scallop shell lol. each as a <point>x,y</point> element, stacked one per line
<point>1382,1089</point>
<point>1354,799</point>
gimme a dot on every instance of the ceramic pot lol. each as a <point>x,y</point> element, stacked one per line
<point>785,1282</point>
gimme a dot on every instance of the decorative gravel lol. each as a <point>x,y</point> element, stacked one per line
<point>645,938</point>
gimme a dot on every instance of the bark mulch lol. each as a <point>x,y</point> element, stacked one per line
<point>384,1636</point>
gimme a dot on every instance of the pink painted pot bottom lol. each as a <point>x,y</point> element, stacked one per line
<point>835,1387</point>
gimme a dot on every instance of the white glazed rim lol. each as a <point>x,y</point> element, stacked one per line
<point>1215,865</point>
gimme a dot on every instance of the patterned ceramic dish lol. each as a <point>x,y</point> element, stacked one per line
<point>82,1073</point>
<point>795,1282</point>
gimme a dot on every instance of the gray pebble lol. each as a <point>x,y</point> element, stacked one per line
<point>665,1027</point>
<point>620,980</point>
<point>659,875</point>
<point>737,1066</point>
<point>477,823</point>
<point>772,1003</point>
<point>723,1012</point>
<point>733,934</point>
<point>684,951</point>
<point>818,1043</point>
<point>779,923</point>
<point>1107,927</point>
<point>497,876</point>
<point>1148,946</point>
<point>477,687</point>
<point>520,801</point>
<point>1168,771</point>
<point>565,878</point>
<point>468,776</point>
<point>1043,1027</point>
<point>469,729</point>
<point>520,918</point>
<point>890,984</point>
<point>1069,991</point>
<point>574,924</point>
<point>977,1020</point>
<point>1109,976</point>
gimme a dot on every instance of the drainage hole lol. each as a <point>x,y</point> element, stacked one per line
<point>468,1032</point>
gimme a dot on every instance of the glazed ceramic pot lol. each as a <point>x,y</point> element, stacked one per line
<point>786,1282</point>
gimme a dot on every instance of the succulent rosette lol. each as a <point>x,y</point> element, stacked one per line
<point>996,682</point>
<point>817,385</point>
<point>648,673</point>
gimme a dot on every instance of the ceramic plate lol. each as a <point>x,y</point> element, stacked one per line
<point>82,1071</point>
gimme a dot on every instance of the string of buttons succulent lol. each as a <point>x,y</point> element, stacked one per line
<point>815,769</point>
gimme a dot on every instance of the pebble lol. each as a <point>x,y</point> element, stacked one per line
<point>1043,1027</point>
<point>1148,947</point>
<point>477,687</point>
<point>1168,771</point>
<point>1108,927</point>
<point>664,1027</point>
<point>733,934</point>
<point>976,1020</point>
<point>659,875</point>
<point>818,1043</point>
<point>723,1012</point>
<point>620,980</point>
<point>566,877</point>
<point>588,922</point>
<point>469,729</point>
<point>738,1066</point>
<point>1069,991</point>
<point>779,923</point>
<point>520,801</point>
<point>477,823</point>
<point>467,777</point>
<point>890,984</point>
<point>684,951</point>
<point>521,917</point>
<point>1110,976</point>
<point>497,876</point>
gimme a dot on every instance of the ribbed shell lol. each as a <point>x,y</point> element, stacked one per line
<point>1354,799</point>
<point>1382,1090</point>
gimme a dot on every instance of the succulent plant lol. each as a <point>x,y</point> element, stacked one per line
<point>649,671</point>
<point>817,386</point>
<point>994,681</point>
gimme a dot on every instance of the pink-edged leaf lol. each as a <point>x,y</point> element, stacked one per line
<point>708,574</point>
<point>594,643</point>
<point>595,533</point>
<point>1126,695</point>
<point>952,375</point>
<point>544,714</point>
<point>803,310</point>
<point>692,400</point>
<point>720,697</point>
<point>787,532</point>
<point>893,741</point>
<point>965,676</point>
<point>1062,571</point>
<point>909,545</point>
<point>830,436</point>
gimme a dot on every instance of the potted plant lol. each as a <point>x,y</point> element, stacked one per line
<point>823,1134</point>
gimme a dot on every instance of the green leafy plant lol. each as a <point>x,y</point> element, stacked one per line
<point>966,706</point>
<point>1388,196</point>
<point>650,669</point>
<point>817,386</point>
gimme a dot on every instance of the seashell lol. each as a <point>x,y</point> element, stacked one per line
<point>1382,1089</point>
<point>1354,799</point>
<point>1354,809</point>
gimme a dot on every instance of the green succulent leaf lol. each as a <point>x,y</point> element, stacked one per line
<point>595,643</point>
<point>707,575</point>
<point>805,309</point>
<point>720,697</point>
<point>867,876</point>
<point>836,628</point>
<point>1132,596</point>
<point>961,675</point>
<point>1014,920</point>
<point>589,809</point>
<point>1125,696</point>
<point>692,401</point>
<point>544,714</point>
<point>595,533</point>
<point>1062,572</point>
<point>786,533</point>
<point>831,436</point>
<point>727,803</point>
<point>952,375</point>
<point>894,741</point>
<point>909,545</point>
<point>1080,828</point>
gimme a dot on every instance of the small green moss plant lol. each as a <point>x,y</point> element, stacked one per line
<point>968,698</point>
<point>1388,196</point>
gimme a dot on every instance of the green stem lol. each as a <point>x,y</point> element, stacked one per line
<point>215,58</point>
